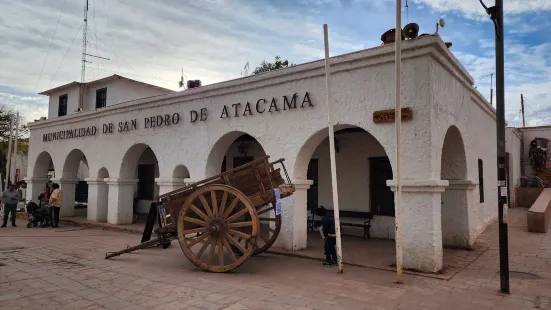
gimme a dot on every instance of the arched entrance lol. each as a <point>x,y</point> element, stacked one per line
<point>73,183</point>
<point>363,168</point>
<point>43,172</point>
<point>455,199</point>
<point>132,193</point>
<point>231,151</point>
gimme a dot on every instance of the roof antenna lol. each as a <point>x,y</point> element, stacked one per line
<point>181,82</point>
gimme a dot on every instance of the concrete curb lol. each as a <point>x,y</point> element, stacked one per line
<point>101,226</point>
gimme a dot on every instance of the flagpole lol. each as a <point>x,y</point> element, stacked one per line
<point>398,128</point>
<point>14,158</point>
<point>332,153</point>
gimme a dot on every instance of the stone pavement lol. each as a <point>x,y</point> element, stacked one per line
<point>65,268</point>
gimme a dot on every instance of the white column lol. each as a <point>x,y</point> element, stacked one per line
<point>421,227</point>
<point>167,185</point>
<point>68,188</point>
<point>457,204</point>
<point>35,187</point>
<point>98,199</point>
<point>293,234</point>
<point>121,201</point>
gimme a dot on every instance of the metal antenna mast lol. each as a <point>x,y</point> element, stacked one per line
<point>83,70</point>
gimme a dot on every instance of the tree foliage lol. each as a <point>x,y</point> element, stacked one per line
<point>5,113</point>
<point>271,66</point>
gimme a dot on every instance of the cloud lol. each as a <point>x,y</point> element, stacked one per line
<point>472,8</point>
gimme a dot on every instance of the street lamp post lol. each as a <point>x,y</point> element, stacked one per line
<point>496,15</point>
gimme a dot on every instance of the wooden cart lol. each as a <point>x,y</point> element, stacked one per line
<point>221,221</point>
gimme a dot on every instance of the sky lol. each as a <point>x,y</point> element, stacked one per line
<point>212,40</point>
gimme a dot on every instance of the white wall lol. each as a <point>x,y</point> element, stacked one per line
<point>118,90</point>
<point>72,101</point>
<point>514,148</point>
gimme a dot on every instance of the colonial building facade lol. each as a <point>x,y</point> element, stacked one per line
<point>137,149</point>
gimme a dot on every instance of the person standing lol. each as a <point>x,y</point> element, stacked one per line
<point>55,203</point>
<point>10,198</point>
<point>328,226</point>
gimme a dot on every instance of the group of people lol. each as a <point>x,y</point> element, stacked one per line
<point>11,197</point>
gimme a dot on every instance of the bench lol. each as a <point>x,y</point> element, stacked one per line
<point>366,225</point>
<point>540,212</point>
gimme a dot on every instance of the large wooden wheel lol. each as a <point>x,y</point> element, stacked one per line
<point>221,219</point>
<point>269,227</point>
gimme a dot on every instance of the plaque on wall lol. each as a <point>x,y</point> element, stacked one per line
<point>388,116</point>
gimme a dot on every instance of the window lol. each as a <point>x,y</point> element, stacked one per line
<point>481,180</point>
<point>101,98</point>
<point>146,181</point>
<point>62,108</point>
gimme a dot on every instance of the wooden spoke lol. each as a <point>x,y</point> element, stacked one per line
<point>195,230</point>
<point>223,203</point>
<point>264,238</point>
<point>220,253</point>
<point>198,239</point>
<point>214,202</point>
<point>236,244</point>
<point>239,234</point>
<point>272,230</point>
<point>227,245</point>
<point>199,212</point>
<point>239,224</point>
<point>237,215</point>
<point>208,207</point>
<point>203,248</point>
<point>211,252</point>
<point>231,207</point>
<point>267,219</point>
<point>205,205</point>
<point>194,220</point>
<point>266,210</point>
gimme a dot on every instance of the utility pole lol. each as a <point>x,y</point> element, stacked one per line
<point>14,158</point>
<point>496,15</point>
<point>522,107</point>
<point>8,166</point>
<point>492,89</point>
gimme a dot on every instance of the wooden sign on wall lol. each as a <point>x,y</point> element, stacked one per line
<point>388,116</point>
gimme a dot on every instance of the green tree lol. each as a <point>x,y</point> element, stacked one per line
<point>271,66</point>
<point>5,113</point>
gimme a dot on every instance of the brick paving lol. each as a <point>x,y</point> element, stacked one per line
<point>65,268</point>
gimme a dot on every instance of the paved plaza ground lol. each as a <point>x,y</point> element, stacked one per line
<point>64,268</point>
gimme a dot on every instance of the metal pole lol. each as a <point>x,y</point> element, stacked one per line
<point>501,177</point>
<point>14,159</point>
<point>8,166</point>
<point>332,153</point>
<point>398,128</point>
<point>522,107</point>
<point>492,89</point>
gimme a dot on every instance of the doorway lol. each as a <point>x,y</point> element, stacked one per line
<point>381,196</point>
<point>312,192</point>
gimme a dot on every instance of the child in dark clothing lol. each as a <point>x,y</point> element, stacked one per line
<point>328,226</point>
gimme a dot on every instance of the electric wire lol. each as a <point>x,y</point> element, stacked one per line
<point>50,46</point>
<point>67,52</point>
<point>110,31</point>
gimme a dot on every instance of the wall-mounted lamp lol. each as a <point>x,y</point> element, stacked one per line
<point>242,148</point>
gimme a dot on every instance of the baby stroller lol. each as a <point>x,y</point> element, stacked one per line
<point>38,216</point>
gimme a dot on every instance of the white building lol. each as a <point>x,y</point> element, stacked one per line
<point>157,144</point>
